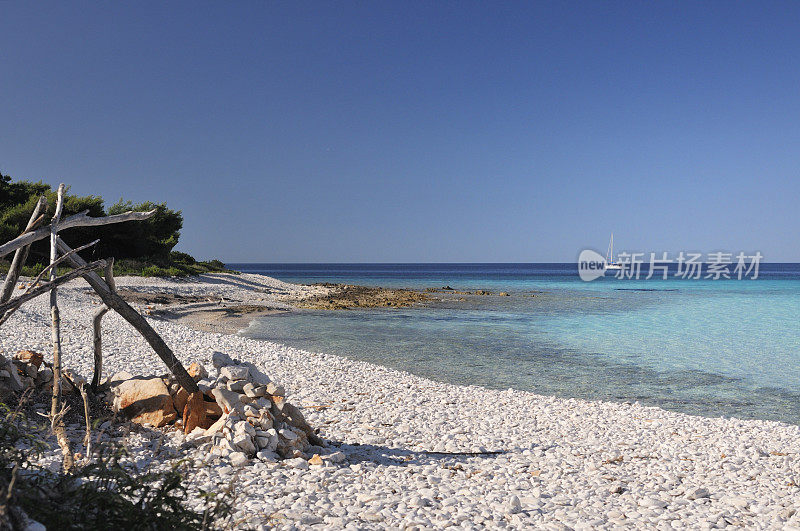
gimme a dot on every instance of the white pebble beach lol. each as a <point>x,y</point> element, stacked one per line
<point>539,461</point>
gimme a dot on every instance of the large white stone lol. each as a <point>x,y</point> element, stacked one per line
<point>244,443</point>
<point>227,400</point>
<point>268,456</point>
<point>220,359</point>
<point>235,372</point>
<point>238,459</point>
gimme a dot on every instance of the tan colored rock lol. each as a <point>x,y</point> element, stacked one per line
<point>145,401</point>
<point>315,460</point>
<point>29,356</point>
<point>120,377</point>
<point>275,389</point>
<point>254,391</point>
<point>197,371</point>
<point>194,413</point>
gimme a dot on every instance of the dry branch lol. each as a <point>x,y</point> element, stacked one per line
<point>50,267</point>
<point>97,337</point>
<point>57,425</point>
<point>97,341</point>
<point>109,274</point>
<point>78,220</point>
<point>87,438</point>
<point>21,254</point>
<point>56,324</point>
<point>56,410</point>
<point>118,304</point>
<point>12,305</point>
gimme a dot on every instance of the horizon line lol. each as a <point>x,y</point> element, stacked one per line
<point>451,263</point>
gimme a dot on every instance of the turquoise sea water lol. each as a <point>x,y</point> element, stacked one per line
<point>716,348</point>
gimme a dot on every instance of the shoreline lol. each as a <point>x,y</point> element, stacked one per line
<point>235,312</point>
<point>232,314</point>
<point>564,462</point>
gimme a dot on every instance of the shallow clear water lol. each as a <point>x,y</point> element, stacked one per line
<point>707,347</point>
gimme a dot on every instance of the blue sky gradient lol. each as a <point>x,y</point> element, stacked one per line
<point>418,131</point>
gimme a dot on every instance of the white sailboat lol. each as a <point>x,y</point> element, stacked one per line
<point>610,255</point>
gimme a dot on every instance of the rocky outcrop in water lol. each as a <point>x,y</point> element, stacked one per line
<point>345,297</point>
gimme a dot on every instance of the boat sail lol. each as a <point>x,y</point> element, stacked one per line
<point>610,255</point>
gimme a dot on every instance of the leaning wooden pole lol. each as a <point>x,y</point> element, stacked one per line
<point>97,342</point>
<point>20,255</point>
<point>118,304</point>
<point>97,335</point>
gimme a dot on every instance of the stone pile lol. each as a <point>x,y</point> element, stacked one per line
<point>239,413</point>
<point>27,370</point>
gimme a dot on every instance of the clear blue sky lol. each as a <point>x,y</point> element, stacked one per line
<point>405,131</point>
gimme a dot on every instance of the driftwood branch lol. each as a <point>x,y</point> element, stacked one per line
<point>56,319</point>
<point>7,308</point>
<point>56,410</point>
<point>97,337</point>
<point>97,340</point>
<point>21,254</point>
<point>118,304</point>
<point>87,438</point>
<point>60,259</point>
<point>78,220</point>
<point>57,425</point>
<point>109,274</point>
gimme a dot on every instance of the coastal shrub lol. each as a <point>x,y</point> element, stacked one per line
<point>156,268</point>
<point>183,258</point>
<point>214,265</point>
<point>102,494</point>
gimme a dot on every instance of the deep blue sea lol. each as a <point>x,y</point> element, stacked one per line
<point>708,347</point>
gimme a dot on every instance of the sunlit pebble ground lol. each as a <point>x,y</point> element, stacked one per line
<point>565,463</point>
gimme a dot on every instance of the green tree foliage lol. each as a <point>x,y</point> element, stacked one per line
<point>152,239</point>
<point>140,247</point>
<point>16,204</point>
